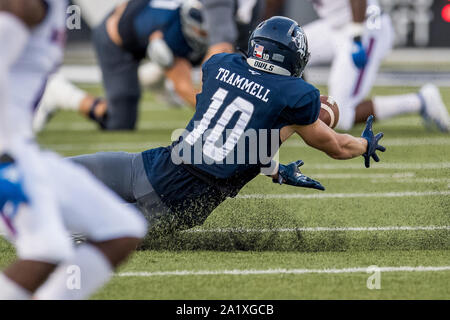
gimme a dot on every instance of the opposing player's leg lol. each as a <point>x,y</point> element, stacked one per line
<point>350,85</point>
<point>427,102</point>
<point>37,230</point>
<point>13,36</point>
<point>320,42</point>
<point>89,208</point>
<point>38,259</point>
<point>60,94</point>
<point>350,94</point>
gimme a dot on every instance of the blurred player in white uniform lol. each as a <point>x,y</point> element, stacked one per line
<point>43,198</point>
<point>355,35</point>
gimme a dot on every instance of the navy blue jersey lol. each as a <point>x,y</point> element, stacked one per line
<point>235,99</point>
<point>239,112</point>
<point>143,17</point>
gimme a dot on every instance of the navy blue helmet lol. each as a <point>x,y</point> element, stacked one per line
<point>194,27</point>
<point>279,45</point>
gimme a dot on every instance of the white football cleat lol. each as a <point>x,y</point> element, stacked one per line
<point>59,94</point>
<point>43,114</point>
<point>434,109</point>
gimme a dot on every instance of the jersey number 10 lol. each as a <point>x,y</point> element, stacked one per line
<point>210,149</point>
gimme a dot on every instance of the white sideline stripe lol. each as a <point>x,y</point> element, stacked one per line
<point>344,195</point>
<point>237,272</point>
<point>319,229</point>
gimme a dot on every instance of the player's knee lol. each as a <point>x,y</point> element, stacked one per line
<point>122,113</point>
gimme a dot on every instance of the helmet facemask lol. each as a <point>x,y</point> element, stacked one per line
<point>194,26</point>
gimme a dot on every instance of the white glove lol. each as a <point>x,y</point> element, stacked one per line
<point>159,52</point>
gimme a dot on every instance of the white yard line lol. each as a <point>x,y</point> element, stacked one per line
<point>148,125</point>
<point>84,126</point>
<point>397,142</point>
<point>412,180</point>
<point>397,175</point>
<point>315,229</point>
<point>344,195</point>
<point>289,144</point>
<point>319,229</point>
<point>119,146</point>
<point>388,165</point>
<point>244,272</point>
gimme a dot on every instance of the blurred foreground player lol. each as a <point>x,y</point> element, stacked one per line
<point>43,198</point>
<point>173,36</point>
<point>355,35</point>
<point>248,105</point>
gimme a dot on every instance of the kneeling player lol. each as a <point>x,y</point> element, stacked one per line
<point>173,36</point>
<point>355,36</point>
<point>255,98</point>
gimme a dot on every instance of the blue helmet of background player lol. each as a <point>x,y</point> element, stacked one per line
<point>279,45</point>
<point>193,25</point>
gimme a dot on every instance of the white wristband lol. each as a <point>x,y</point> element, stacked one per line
<point>356,29</point>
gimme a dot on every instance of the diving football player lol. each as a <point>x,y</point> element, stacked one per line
<point>248,106</point>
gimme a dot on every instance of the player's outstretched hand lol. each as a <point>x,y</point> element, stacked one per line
<point>372,143</point>
<point>290,174</point>
<point>10,184</point>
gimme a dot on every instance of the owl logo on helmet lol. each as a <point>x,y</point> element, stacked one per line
<point>300,42</point>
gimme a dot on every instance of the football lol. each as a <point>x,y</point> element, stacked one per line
<point>329,111</point>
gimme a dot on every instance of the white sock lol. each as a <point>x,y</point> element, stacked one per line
<point>78,278</point>
<point>9,290</point>
<point>62,94</point>
<point>390,106</point>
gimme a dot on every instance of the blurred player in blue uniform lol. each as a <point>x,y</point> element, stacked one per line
<point>170,34</point>
<point>247,107</point>
<point>173,51</point>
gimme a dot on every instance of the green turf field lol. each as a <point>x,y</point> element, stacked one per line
<point>279,242</point>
